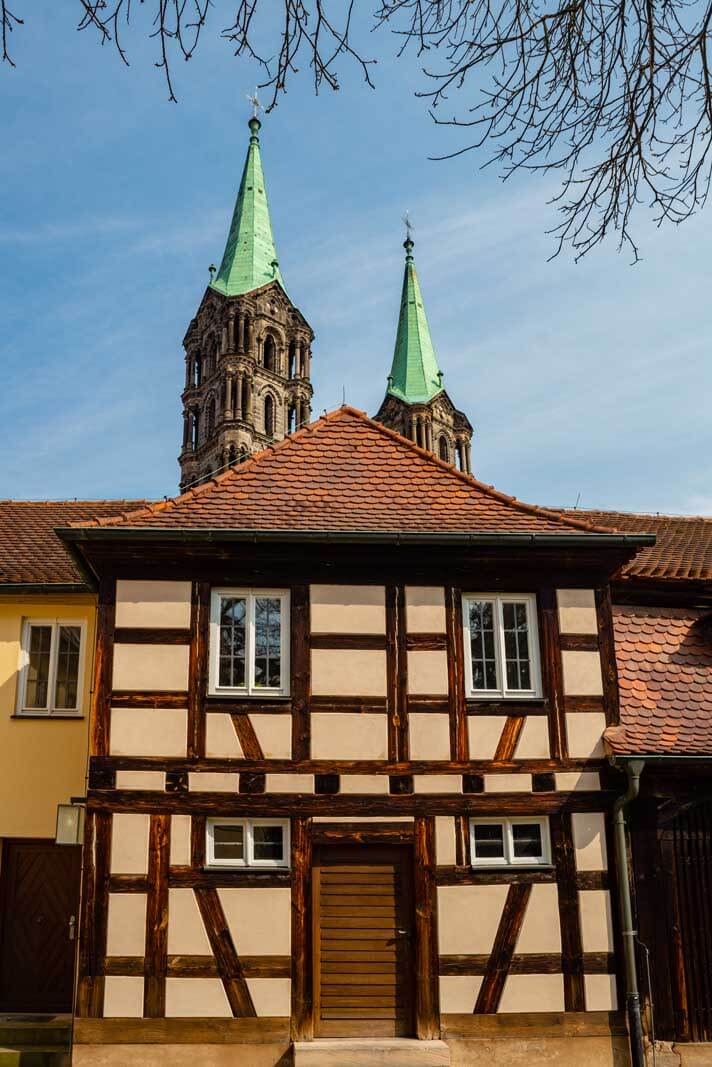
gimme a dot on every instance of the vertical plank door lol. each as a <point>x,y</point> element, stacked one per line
<point>363,941</point>
<point>39,894</point>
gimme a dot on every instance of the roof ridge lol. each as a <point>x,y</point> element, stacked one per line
<point>643,514</point>
<point>75,502</point>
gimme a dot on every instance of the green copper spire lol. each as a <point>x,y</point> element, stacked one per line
<point>415,375</point>
<point>250,258</point>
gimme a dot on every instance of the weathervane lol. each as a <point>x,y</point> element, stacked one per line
<point>408,226</point>
<point>256,105</point>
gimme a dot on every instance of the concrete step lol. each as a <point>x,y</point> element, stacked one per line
<point>371,1052</point>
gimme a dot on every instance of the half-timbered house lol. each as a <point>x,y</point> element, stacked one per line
<point>347,776</point>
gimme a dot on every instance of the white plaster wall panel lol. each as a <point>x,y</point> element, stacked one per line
<point>573,781</point>
<point>213,782</point>
<point>427,672</point>
<point>584,730</point>
<point>458,993</point>
<point>153,604</point>
<point>348,609</point>
<point>129,844</point>
<point>123,997</point>
<point>582,674</point>
<point>533,741</point>
<point>259,920</point>
<point>596,920</point>
<point>437,783</point>
<point>270,996</point>
<point>577,611</point>
<point>600,992</point>
<point>349,736</point>
<point>348,672</point>
<point>196,998</point>
<point>289,783</point>
<point>425,609</point>
<point>186,930</point>
<point>364,783</point>
<point>532,992</point>
<point>126,924</point>
<point>508,783</point>
<point>151,667</point>
<point>445,840</point>
<point>274,733</point>
<point>220,737</point>
<point>148,731</point>
<point>180,840</point>
<point>141,780</point>
<point>541,928</point>
<point>468,917</point>
<point>484,732</point>
<point>589,831</point>
<point>429,736</point>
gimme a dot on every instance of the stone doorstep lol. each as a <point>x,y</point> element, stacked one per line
<point>371,1052</point>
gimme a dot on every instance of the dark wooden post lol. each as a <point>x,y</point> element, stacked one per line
<point>94,912</point>
<point>606,642</point>
<point>301,673</point>
<point>427,998</point>
<point>156,954</point>
<point>302,1002</point>
<point>103,668</point>
<point>198,668</point>
<point>551,671</point>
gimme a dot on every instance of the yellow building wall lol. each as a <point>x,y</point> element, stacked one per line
<point>42,760</point>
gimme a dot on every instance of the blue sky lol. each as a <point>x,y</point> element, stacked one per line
<point>592,378</point>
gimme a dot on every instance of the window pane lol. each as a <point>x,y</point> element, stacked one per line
<point>516,645</point>
<point>268,624</point>
<point>233,612</point>
<point>482,645</point>
<point>268,842</point>
<point>526,838</point>
<point>489,841</point>
<point>38,669</point>
<point>67,682</point>
<point>229,842</point>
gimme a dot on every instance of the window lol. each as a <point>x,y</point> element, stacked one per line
<point>51,667</point>
<point>247,842</point>
<point>501,646</point>
<point>249,652</point>
<point>269,416</point>
<point>520,842</point>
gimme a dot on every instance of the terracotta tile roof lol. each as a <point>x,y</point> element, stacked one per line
<point>683,550</point>
<point>664,660</point>
<point>31,552</point>
<point>347,472</point>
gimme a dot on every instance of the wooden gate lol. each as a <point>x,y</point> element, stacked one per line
<point>363,941</point>
<point>39,894</point>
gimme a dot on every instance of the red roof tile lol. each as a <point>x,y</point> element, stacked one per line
<point>683,550</point>
<point>347,472</point>
<point>664,658</point>
<point>31,552</point>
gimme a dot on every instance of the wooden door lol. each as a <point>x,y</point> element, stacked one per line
<point>363,941</point>
<point>39,894</point>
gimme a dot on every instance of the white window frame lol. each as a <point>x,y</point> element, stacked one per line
<point>50,710</point>
<point>509,859</point>
<point>501,692</point>
<point>249,689</point>
<point>249,842</point>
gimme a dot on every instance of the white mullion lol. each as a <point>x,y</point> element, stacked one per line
<point>509,841</point>
<point>250,642</point>
<point>499,645</point>
<point>249,843</point>
<point>52,675</point>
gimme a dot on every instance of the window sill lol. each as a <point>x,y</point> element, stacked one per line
<point>48,717</point>
<point>493,867</point>
<point>232,695</point>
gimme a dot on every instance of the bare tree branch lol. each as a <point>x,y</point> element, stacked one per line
<point>8,22</point>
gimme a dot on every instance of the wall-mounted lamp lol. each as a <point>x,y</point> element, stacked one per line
<point>70,824</point>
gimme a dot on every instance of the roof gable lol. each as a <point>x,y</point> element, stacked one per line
<point>347,473</point>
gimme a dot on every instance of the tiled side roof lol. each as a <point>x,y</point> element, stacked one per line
<point>664,660</point>
<point>347,472</point>
<point>31,552</point>
<point>683,549</point>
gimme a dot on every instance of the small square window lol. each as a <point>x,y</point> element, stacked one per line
<point>520,842</point>
<point>229,842</point>
<point>247,842</point>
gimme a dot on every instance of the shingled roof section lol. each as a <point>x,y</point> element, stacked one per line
<point>30,551</point>
<point>344,473</point>
<point>682,551</point>
<point>664,660</point>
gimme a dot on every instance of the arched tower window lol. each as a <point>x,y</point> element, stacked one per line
<point>292,359</point>
<point>269,416</point>
<point>195,440</point>
<point>197,369</point>
<point>443,449</point>
<point>270,353</point>
<point>291,418</point>
<point>210,418</point>
<point>248,334</point>
<point>245,400</point>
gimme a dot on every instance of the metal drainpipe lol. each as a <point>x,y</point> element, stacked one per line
<point>634,769</point>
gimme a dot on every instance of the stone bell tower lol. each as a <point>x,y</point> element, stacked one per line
<point>248,349</point>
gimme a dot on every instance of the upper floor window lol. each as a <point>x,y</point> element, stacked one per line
<point>249,642</point>
<point>51,662</point>
<point>501,646</point>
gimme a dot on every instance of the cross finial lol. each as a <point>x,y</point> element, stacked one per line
<point>409,227</point>
<point>408,243</point>
<point>256,105</point>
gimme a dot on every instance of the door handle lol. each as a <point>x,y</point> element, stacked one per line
<point>72,927</point>
<point>402,933</point>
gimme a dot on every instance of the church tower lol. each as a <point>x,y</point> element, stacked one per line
<point>248,349</point>
<point>416,404</point>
